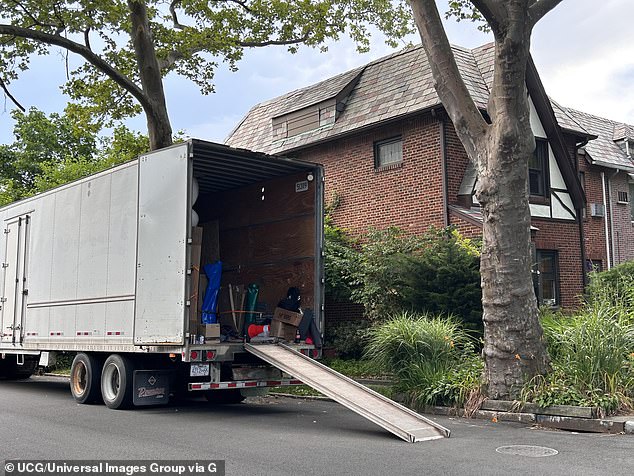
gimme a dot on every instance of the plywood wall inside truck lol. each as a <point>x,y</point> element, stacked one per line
<point>267,236</point>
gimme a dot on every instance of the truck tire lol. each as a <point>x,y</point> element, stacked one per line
<point>117,382</point>
<point>85,378</point>
<point>224,397</point>
<point>10,370</point>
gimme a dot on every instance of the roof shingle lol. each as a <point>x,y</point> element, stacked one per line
<point>604,150</point>
<point>389,88</point>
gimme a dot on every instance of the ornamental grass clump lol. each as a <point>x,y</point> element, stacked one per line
<point>432,358</point>
<point>592,353</point>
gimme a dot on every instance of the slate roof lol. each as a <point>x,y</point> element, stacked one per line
<point>389,88</point>
<point>604,150</point>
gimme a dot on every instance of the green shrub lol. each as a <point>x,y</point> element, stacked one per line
<point>437,272</point>
<point>444,278</point>
<point>614,287</point>
<point>592,354</point>
<point>354,368</point>
<point>432,358</point>
<point>377,277</point>
<point>349,338</point>
<point>340,256</point>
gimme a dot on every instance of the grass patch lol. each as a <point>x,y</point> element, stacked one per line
<point>299,390</point>
<point>355,368</point>
<point>592,353</point>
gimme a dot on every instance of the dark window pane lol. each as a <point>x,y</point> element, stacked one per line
<point>547,278</point>
<point>388,152</point>
<point>537,168</point>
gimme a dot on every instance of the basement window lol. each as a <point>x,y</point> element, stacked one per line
<point>388,153</point>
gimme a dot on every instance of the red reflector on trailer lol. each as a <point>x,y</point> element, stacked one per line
<point>196,386</point>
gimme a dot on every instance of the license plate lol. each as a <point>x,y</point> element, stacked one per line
<point>199,370</point>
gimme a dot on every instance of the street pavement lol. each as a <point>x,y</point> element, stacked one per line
<point>284,436</point>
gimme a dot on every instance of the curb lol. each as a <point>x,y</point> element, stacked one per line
<point>616,425</point>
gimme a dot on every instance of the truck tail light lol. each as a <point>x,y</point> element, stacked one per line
<point>211,355</point>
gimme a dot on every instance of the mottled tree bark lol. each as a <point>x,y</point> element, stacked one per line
<point>514,349</point>
<point>155,108</point>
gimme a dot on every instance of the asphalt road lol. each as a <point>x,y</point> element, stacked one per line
<point>283,436</point>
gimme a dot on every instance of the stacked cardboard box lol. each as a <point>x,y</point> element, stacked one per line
<point>284,324</point>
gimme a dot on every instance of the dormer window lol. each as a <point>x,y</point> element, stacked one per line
<point>538,170</point>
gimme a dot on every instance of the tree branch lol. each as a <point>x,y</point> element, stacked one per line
<point>242,3</point>
<point>83,51</point>
<point>87,38</point>
<point>540,8</point>
<point>257,44</point>
<point>493,13</point>
<point>452,91</point>
<point>58,28</point>
<point>177,24</point>
<point>4,87</point>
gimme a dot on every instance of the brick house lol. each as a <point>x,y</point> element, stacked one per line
<point>392,156</point>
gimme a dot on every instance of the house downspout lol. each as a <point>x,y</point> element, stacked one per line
<point>614,257</point>
<point>607,231</point>
<point>582,235</point>
<point>582,240</point>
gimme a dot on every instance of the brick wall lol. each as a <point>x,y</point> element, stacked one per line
<point>408,196</point>
<point>563,237</point>
<point>457,161</point>
<point>593,227</point>
<point>466,228</point>
<point>622,232</point>
<point>335,311</point>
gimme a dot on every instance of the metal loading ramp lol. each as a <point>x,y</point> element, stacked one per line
<point>392,416</point>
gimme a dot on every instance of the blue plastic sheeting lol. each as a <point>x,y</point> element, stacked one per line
<point>210,301</point>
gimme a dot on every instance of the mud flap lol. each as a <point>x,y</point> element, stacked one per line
<point>151,387</point>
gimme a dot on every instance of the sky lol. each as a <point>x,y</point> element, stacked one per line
<point>584,51</point>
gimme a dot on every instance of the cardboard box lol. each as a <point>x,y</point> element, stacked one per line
<point>287,317</point>
<point>282,330</point>
<point>212,331</point>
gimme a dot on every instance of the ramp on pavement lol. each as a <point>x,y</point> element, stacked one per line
<point>377,408</point>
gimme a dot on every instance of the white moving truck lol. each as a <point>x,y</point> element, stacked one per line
<point>107,267</point>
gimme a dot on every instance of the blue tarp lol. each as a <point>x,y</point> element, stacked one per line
<point>210,301</point>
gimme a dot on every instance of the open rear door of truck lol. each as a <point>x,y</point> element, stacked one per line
<point>164,213</point>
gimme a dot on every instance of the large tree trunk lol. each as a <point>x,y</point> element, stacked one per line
<point>514,350</point>
<point>158,123</point>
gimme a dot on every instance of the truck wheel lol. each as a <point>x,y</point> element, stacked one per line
<point>85,374</point>
<point>117,382</point>
<point>10,370</point>
<point>224,397</point>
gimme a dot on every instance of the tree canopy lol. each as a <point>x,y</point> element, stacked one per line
<point>52,150</point>
<point>128,46</point>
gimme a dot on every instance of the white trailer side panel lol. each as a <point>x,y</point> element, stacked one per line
<point>162,247</point>
<point>81,261</point>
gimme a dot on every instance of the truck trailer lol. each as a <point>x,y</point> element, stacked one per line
<point>108,266</point>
